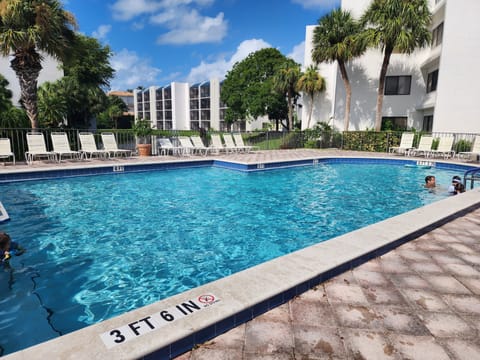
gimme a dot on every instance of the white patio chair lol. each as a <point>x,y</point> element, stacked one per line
<point>444,148</point>
<point>424,146</point>
<point>217,146</point>
<point>61,146</point>
<point>230,144</point>
<point>473,153</point>
<point>110,145</point>
<point>6,150</point>
<point>88,146</point>
<point>406,144</point>
<point>199,145</point>
<point>37,148</point>
<point>241,144</point>
<point>165,147</point>
<point>186,145</point>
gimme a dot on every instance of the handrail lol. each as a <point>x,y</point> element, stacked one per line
<point>472,176</point>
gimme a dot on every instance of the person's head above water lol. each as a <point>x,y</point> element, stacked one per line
<point>4,241</point>
<point>430,181</point>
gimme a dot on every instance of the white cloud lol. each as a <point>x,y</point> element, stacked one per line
<point>182,19</point>
<point>222,65</point>
<point>191,28</point>
<point>102,31</point>
<point>128,9</point>
<point>131,71</point>
<point>298,53</point>
<point>315,4</point>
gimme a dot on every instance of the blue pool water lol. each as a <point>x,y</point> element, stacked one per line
<point>103,245</point>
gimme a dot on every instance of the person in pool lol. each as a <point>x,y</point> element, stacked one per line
<point>430,182</point>
<point>9,247</point>
<point>457,186</point>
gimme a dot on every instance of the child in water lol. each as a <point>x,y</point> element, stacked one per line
<point>8,247</point>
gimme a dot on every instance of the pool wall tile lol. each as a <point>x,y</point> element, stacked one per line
<point>163,353</point>
<point>224,325</point>
<point>205,334</point>
<point>261,308</point>
<point>243,316</point>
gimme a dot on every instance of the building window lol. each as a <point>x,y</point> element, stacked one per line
<point>194,115</point>
<point>205,103</point>
<point>437,35</point>
<point>398,85</point>
<point>194,104</point>
<point>432,80</point>
<point>395,123</point>
<point>427,123</point>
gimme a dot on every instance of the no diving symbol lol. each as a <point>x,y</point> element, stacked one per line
<point>206,299</point>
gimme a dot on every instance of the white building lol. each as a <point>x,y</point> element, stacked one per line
<point>180,106</point>
<point>432,89</point>
<point>50,72</point>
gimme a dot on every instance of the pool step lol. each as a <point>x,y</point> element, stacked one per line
<point>3,213</point>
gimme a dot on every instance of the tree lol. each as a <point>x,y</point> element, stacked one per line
<point>27,28</point>
<point>311,82</point>
<point>285,81</point>
<point>5,95</point>
<point>398,25</point>
<point>248,87</point>
<point>10,116</point>
<point>338,38</point>
<point>107,119</point>
<point>52,104</point>
<point>87,77</point>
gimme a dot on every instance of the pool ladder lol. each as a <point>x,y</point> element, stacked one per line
<point>471,175</point>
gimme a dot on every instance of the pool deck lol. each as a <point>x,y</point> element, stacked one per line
<point>406,287</point>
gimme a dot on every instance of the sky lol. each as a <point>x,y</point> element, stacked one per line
<point>156,42</point>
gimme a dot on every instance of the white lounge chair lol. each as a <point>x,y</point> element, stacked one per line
<point>444,148</point>
<point>199,145</point>
<point>230,144</point>
<point>88,147</point>
<point>61,146</point>
<point>6,150</point>
<point>241,144</point>
<point>473,153</point>
<point>186,145</point>
<point>37,148</point>
<point>165,147</point>
<point>110,145</point>
<point>424,146</point>
<point>217,145</point>
<point>406,144</point>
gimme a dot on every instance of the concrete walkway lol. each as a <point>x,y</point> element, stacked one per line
<point>420,301</point>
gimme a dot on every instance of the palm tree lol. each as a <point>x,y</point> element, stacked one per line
<point>398,25</point>
<point>338,38</point>
<point>311,82</point>
<point>27,28</point>
<point>285,80</point>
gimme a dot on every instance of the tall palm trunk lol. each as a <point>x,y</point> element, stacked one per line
<point>310,111</point>
<point>290,110</point>
<point>348,93</point>
<point>27,68</point>
<point>381,87</point>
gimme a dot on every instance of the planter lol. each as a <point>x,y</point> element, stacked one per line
<point>144,149</point>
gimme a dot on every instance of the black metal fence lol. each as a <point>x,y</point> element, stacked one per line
<point>264,140</point>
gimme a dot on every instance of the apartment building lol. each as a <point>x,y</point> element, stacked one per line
<point>433,89</point>
<point>181,106</point>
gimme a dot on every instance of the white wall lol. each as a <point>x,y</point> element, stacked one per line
<point>180,106</point>
<point>457,105</point>
<point>50,72</point>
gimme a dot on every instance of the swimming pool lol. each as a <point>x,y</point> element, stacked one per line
<point>289,209</point>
